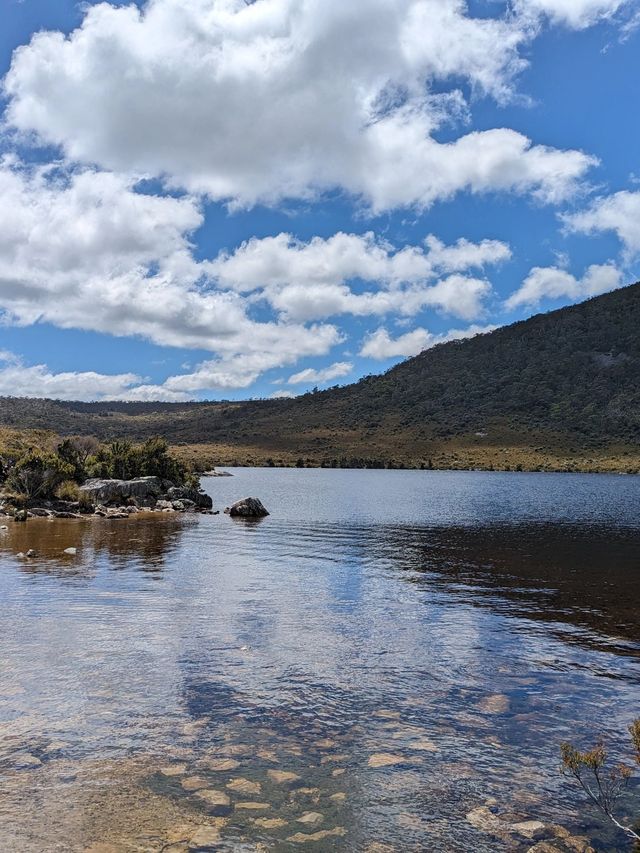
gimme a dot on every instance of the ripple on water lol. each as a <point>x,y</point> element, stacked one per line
<point>353,675</point>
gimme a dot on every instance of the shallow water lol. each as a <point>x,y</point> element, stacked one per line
<point>461,624</point>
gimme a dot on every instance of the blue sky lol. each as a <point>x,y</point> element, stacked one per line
<point>219,200</point>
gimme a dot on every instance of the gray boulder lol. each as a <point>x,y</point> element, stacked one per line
<point>197,497</point>
<point>248,508</point>
<point>111,491</point>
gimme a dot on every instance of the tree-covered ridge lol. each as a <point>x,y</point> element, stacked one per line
<point>563,382</point>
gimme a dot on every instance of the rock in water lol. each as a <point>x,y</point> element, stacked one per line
<point>108,491</point>
<point>71,551</point>
<point>184,493</point>
<point>248,508</point>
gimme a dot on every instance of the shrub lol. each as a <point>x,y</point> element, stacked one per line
<point>68,491</point>
<point>602,784</point>
<point>38,475</point>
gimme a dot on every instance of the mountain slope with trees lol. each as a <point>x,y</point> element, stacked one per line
<point>559,390</point>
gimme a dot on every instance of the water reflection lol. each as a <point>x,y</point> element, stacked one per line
<point>145,543</point>
<point>340,674</point>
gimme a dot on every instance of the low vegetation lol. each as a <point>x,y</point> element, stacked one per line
<point>47,469</point>
<point>603,782</point>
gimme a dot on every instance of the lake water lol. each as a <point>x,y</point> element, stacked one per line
<point>386,653</point>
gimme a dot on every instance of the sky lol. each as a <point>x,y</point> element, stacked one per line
<point>225,199</point>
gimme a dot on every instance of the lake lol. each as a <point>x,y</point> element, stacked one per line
<point>385,662</point>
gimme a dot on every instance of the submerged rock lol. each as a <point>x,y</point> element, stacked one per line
<point>386,759</point>
<point>311,818</point>
<point>205,836</point>
<point>303,838</point>
<point>244,786</point>
<point>282,777</point>
<point>213,798</point>
<point>270,822</point>
<point>248,508</point>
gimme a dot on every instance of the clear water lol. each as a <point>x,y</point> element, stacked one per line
<point>462,623</point>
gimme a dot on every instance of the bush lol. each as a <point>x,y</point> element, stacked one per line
<point>125,461</point>
<point>38,475</point>
<point>68,491</point>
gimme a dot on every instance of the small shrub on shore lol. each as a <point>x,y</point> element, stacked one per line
<point>38,475</point>
<point>68,491</point>
<point>603,784</point>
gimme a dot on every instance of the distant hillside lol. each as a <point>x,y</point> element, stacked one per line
<point>558,390</point>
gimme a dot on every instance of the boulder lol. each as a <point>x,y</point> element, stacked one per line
<point>119,491</point>
<point>184,493</point>
<point>248,508</point>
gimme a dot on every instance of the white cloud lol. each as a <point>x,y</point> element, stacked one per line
<point>19,379</point>
<point>619,212</point>
<point>325,374</point>
<point>554,283</point>
<point>277,99</point>
<point>282,395</point>
<point>85,250</point>
<point>314,280</point>
<point>576,14</point>
<point>381,346</point>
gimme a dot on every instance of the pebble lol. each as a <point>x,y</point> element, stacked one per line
<point>213,798</point>
<point>174,770</point>
<point>25,761</point>
<point>71,551</point>
<point>270,822</point>
<point>303,838</point>
<point>325,743</point>
<point>249,806</point>
<point>498,703</point>
<point>282,777</point>
<point>311,818</point>
<point>194,783</point>
<point>268,755</point>
<point>220,765</point>
<point>244,786</point>
<point>386,759</point>
<point>205,836</point>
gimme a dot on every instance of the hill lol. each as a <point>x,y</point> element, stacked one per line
<point>559,390</point>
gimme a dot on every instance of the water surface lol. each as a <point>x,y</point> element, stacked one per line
<point>461,624</point>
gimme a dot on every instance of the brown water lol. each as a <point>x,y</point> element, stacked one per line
<point>410,645</point>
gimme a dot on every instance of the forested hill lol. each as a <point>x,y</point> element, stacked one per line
<point>563,384</point>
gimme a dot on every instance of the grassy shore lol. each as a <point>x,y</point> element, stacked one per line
<point>504,452</point>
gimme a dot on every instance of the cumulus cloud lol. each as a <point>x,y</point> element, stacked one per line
<point>86,250</point>
<point>317,279</point>
<point>555,283</point>
<point>381,346</point>
<point>257,102</point>
<point>576,14</point>
<point>20,379</point>
<point>325,374</point>
<point>619,213</point>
